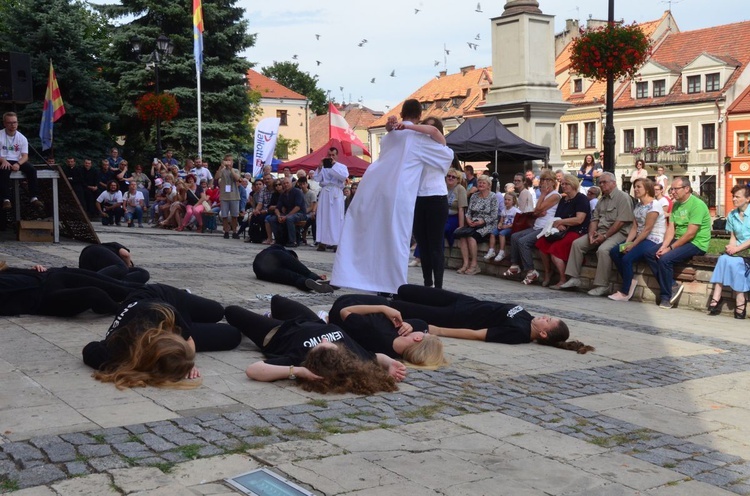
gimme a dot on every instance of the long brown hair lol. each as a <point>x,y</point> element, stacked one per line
<point>557,337</point>
<point>158,356</point>
<point>343,372</point>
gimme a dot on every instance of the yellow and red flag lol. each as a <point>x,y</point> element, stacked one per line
<point>198,34</point>
<point>53,109</point>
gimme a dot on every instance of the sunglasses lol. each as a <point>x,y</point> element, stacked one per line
<point>451,177</point>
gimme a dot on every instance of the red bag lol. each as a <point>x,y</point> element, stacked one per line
<point>521,222</point>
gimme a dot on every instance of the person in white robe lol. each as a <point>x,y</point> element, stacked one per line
<point>373,253</point>
<point>330,214</point>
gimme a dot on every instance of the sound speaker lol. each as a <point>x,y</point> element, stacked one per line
<point>15,78</point>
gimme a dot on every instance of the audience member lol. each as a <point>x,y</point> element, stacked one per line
<point>481,217</point>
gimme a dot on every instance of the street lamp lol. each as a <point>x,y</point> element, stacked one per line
<point>163,50</point>
<point>609,127</point>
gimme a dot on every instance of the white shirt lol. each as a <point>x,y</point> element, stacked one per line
<point>110,197</point>
<point>12,147</point>
<point>432,180</point>
<point>132,201</point>
<point>202,173</point>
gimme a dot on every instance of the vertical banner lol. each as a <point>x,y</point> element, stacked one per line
<point>265,143</point>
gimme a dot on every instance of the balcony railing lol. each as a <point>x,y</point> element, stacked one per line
<point>677,157</point>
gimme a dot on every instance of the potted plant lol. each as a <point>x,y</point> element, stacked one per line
<point>152,107</point>
<point>615,50</point>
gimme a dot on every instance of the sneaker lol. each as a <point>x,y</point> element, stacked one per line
<point>665,305</point>
<point>490,254</point>
<point>291,245</point>
<point>140,224</point>
<point>236,235</point>
<point>599,291</point>
<point>573,282</point>
<point>323,315</point>
<point>226,234</point>
<point>676,292</point>
<point>318,287</point>
<point>7,205</point>
<point>500,256</point>
<point>415,263</point>
<point>130,223</point>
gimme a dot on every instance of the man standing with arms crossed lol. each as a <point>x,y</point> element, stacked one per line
<point>229,194</point>
<point>14,156</point>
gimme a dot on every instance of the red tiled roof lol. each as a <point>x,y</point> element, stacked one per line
<point>439,92</point>
<point>319,132</point>
<point>729,43</point>
<point>742,104</point>
<point>269,88</point>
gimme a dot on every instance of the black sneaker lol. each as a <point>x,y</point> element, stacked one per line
<point>236,235</point>
<point>226,234</point>
<point>318,287</point>
<point>676,292</point>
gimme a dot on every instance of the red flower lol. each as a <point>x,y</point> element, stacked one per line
<point>151,107</point>
<point>624,48</point>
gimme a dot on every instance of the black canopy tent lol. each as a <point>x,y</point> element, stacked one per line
<point>485,138</point>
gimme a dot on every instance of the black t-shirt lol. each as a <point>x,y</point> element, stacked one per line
<point>133,318</point>
<point>374,332</point>
<point>295,338</point>
<point>102,259</point>
<point>20,291</point>
<point>569,208</point>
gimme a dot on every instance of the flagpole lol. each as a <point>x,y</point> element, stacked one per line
<point>200,139</point>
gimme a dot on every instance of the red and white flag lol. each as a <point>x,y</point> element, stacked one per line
<point>341,131</point>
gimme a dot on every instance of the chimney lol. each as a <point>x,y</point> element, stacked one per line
<point>443,73</point>
<point>466,69</point>
<point>571,25</point>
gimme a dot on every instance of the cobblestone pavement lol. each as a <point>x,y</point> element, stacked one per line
<point>660,408</point>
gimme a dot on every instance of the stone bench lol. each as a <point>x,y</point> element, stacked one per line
<point>695,276</point>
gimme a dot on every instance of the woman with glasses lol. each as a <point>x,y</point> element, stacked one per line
<point>457,204</point>
<point>522,243</point>
<point>481,217</point>
<point>574,215</point>
<point>272,210</point>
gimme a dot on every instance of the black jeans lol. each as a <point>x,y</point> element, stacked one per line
<point>277,264</point>
<point>99,259</point>
<point>256,326</point>
<point>430,216</point>
<point>28,171</point>
<point>67,292</point>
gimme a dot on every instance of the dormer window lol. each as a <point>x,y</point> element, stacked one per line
<point>457,101</point>
<point>578,85</point>
<point>712,82</point>
<point>660,88</point>
<point>693,84</point>
<point>641,89</point>
<point>425,105</point>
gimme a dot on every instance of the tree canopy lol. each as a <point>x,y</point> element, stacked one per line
<point>290,75</point>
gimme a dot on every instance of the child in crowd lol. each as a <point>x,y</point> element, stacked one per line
<point>503,229</point>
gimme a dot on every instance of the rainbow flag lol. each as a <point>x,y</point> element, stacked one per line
<point>198,34</point>
<point>53,109</point>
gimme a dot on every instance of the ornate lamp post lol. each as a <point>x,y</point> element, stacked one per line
<point>163,50</point>
<point>609,126</point>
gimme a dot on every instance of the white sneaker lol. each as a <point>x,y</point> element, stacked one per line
<point>490,254</point>
<point>573,282</point>
<point>500,256</point>
<point>415,263</point>
<point>323,315</point>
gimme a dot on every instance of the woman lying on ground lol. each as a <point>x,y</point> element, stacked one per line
<point>374,325</point>
<point>60,292</point>
<point>321,356</point>
<point>112,260</point>
<point>282,266</point>
<point>459,316</point>
<point>153,339</point>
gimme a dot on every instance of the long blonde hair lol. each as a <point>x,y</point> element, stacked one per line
<point>427,353</point>
<point>158,356</point>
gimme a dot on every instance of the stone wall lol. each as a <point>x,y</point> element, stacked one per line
<point>695,276</point>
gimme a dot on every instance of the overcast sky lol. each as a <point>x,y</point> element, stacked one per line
<point>411,44</point>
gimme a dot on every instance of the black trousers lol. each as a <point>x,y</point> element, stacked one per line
<point>435,306</point>
<point>277,264</point>
<point>67,292</point>
<point>256,326</point>
<point>28,171</point>
<point>430,216</point>
<point>100,259</point>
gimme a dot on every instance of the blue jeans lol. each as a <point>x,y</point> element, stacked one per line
<point>290,228</point>
<point>626,261</point>
<point>137,214</point>
<point>662,267</point>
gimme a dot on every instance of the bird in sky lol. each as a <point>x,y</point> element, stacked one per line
<point>416,11</point>
<point>447,52</point>
<point>318,62</point>
<point>477,37</point>
<point>294,57</point>
<point>372,80</point>
<point>479,7</point>
<point>360,44</point>
<point>317,36</point>
<point>364,40</point>
<point>472,45</point>
<point>393,73</point>
<point>341,88</point>
<point>436,63</point>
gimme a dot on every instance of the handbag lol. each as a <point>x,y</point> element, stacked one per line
<point>521,222</point>
<point>463,232</point>
<point>206,206</point>
<point>555,236</point>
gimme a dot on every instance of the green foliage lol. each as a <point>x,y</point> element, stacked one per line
<point>73,36</point>
<point>290,75</point>
<point>226,105</point>
<point>286,147</point>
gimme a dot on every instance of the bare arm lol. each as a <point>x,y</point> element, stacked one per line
<point>395,369</point>
<point>448,332</point>
<point>392,314</point>
<point>265,372</point>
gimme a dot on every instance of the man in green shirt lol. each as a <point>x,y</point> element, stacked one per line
<point>688,234</point>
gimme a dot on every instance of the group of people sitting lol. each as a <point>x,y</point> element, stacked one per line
<point>360,346</point>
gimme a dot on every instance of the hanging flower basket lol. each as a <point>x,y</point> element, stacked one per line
<point>614,49</point>
<point>151,107</point>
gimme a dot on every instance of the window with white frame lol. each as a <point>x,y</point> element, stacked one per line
<point>743,143</point>
<point>660,88</point>
<point>641,89</point>
<point>572,136</point>
<point>590,130</point>
<point>709,136</point>
<point>681,137</point>
<point>578,85</point>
